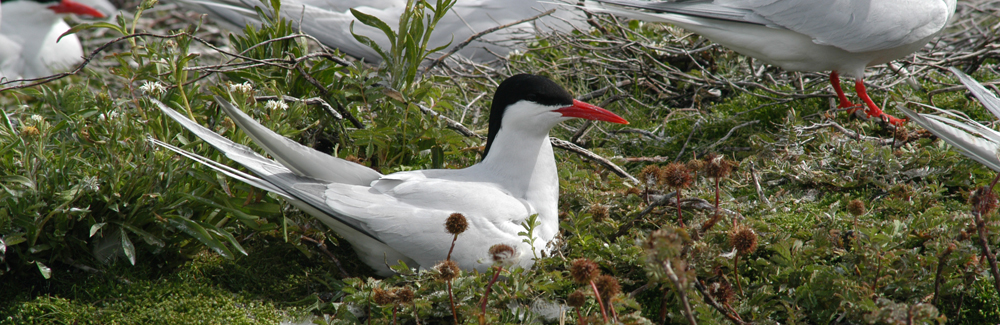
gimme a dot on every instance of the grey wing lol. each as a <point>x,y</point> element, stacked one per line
<point>855,25</point>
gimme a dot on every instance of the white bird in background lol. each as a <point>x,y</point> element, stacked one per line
<point>972,139</point>
<point>401,216</point>
<point>842,36</point>
<point>28,33</point>
<point>329,21</point>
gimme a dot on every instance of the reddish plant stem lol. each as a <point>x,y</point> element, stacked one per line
<point>394,307</point>
<point>451,298</point>
<point>736,272</point>
<point>680,220</point>
<point>453,240</point>
<point>579,318</point>
<point>489,288</point>
<point>942,261</point>
<point>985,245</point>
<point>597,295</point>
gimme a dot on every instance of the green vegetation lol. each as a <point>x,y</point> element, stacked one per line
<point>100,227</point>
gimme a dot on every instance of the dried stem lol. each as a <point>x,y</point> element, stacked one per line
<point>680,291</point>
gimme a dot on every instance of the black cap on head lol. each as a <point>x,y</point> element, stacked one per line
<point>520,87</point>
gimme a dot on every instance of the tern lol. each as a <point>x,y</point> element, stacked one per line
<point>329,21</point>
<point>972,139</point>
<point>841,36</point>
<point>401,216</point>
<point>28,33</point>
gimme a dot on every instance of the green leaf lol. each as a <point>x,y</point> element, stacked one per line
<point>96,227</point>
<point>373,22</point>
<point>44,270</point>
<point>127,246</point>
<point>198,232</point>
<point>99,24</point>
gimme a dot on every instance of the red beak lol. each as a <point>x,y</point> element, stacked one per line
<point>590,112</point>
<point>73,7</point>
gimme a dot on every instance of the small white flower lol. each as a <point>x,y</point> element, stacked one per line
<point>244,87</point>
<point>37,118</point>
<point>90,183</point>
<point>273,105</point>
<point>154,88</point>
<point>113,115</point>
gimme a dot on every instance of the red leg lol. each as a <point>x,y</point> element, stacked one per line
<point>859,87</point>
<point>844,103</point>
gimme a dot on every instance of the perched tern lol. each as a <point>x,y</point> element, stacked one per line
<point>401,216</point>
<point>841,36</point>
<point>329,21</point>
<point>28,33</point>
<point>972,139</point>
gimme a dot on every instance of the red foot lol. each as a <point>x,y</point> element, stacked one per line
<point>872,110</point>
<point>859,87</point>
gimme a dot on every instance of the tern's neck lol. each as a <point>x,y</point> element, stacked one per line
<point>522,162</point>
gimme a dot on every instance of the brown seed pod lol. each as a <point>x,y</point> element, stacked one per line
<point>502,253</point>
<point>676,175</point>
<point>456,224</point>
<point>447,270</point>
<point>901,134</point>
<point>983,201</point>
<point>695,165</point>
<point>608,287</point>
<point>598,212</point>
<point>576,299</point>
<point>633,191</point>
<point>716,166</point>
<point>584,270</point>
<point>744,239</point>
<point>722,292</point>
<point>404,295</point>
<point>650,174</point>
<point>856,207</point>
<point>383,297</point>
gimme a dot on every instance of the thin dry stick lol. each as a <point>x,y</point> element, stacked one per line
<point>680,291</point>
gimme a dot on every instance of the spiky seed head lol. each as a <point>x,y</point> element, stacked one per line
<point>744,239</point>
<point>383,297</point>
<point>584,270</point>
<point>716,166</point>
<point>404,295</point>
<point>456,224</point>
<point>502,254</point>
<point>576,299</point>
<point>676,175</point>
<point>901,134</point>
<point>722,292</point>
<point>983,201</point>
<point>650,174</point>
<point>598,212</point>
<point>856,207</point>
<point>608,287</point>
<point>447,270</point>
<point>695,165</point>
